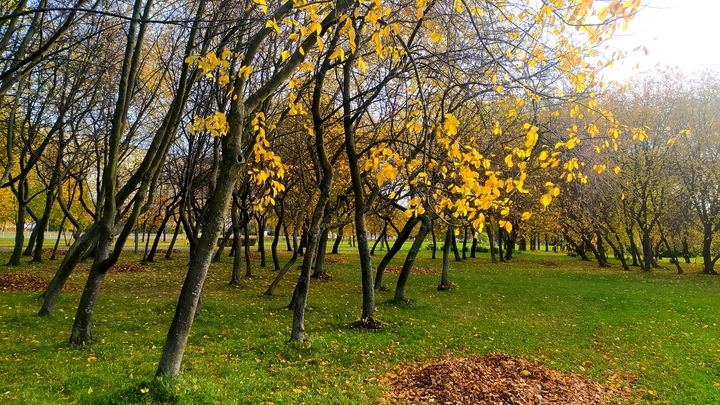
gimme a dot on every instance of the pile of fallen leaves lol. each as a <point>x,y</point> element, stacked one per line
<point>494,379</point>
<point>127,268</point>
<point>22,282</point>
<point>414,270</point>
<point>59,252</point>
<point>335,260</point>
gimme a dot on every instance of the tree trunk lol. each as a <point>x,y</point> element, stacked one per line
<point>160,232</point>
<point>320,259</point>
<point>410,258</point>
<point>686,251</point>
<point>168,254</point>
<point>445,278</point>
<point>19,230</point>
<point>473,246</point>
<point>294,257</point>
<point>397,245</point>
<point>261,219</point>
<point>73,256</point>
<point>491,240</point>
<point>221,245</point>
<point>434,241</point>
<point>366,276</point>
<point>510,244</point>
<point>237,258</point>
<point>276,237</point>
<point>454,247</point>
<point>708,263</point>
<point>647,251</point>
<point>57,240</point>
<point>379,239</point>
<point>246,244</point>
<point>464,244</point>
<point>338,239</point>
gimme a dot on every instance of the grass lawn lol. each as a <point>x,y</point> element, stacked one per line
<point>656,334</point>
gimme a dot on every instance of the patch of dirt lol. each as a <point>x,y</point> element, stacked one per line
<point>23,282</point>
<point>127,268</point>
<point>415,270</point>
<point>496,379</point>
<point>335,260</point>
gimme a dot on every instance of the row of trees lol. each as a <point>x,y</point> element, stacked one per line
<point>312,118</point>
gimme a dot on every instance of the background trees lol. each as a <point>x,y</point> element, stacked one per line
<point>311,118</point>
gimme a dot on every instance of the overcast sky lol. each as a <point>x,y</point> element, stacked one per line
<point>684,33</point>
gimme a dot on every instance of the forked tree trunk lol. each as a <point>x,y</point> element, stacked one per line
<point>400,289</point>
<point>397,245</point>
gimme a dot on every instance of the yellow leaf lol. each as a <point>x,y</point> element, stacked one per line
<point>90,390</point>
<point>338,53</point>
<point>297,391</point>
<point>435,36</point>
<point>671,142</point>
<point>509,161</point>
<point>245,71</point>
<point>616,170</point>
<point>546,199</point>
<point>144,390</point>
<point>525,216</point>
<point>272,24</point>
<point>451,123</point>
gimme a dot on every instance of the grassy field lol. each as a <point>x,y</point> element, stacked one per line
<point>655,333</point>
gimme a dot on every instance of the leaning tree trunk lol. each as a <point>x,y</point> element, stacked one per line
<point>410,259</point>
<point>320,259</point>
<point>71,259</point>
<point>338,239</point>
<point>168,254</point>
<point>397,245</point>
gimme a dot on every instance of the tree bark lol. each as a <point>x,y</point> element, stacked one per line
<point>400,289</point>
<point>397,245</point>
<point>445,277</point>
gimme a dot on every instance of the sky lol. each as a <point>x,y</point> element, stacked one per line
<point>683,33</point>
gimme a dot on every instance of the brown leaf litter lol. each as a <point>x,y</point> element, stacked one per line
<point>23,282</point>
<point>414,270</point>
<point>496,379</point>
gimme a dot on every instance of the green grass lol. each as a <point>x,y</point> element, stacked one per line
<point>655,333</point>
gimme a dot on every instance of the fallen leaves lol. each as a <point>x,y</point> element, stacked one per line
<point>494,379</point>
<point>414,270</point>
<point>127,268</point>
<point>22,282</point>
<point>335,260</point>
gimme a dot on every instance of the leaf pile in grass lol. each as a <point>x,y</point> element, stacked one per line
<point>163,251</point>
<point>335,260</point>
<point>23,282</point>
<point>415,270</point>
<point>59,252</point>
<point>495,379</point>
<point>127,268</point>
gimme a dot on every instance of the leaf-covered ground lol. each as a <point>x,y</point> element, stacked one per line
<point>22,282</point>
<point>496,379</point>
<point>414,270</point>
